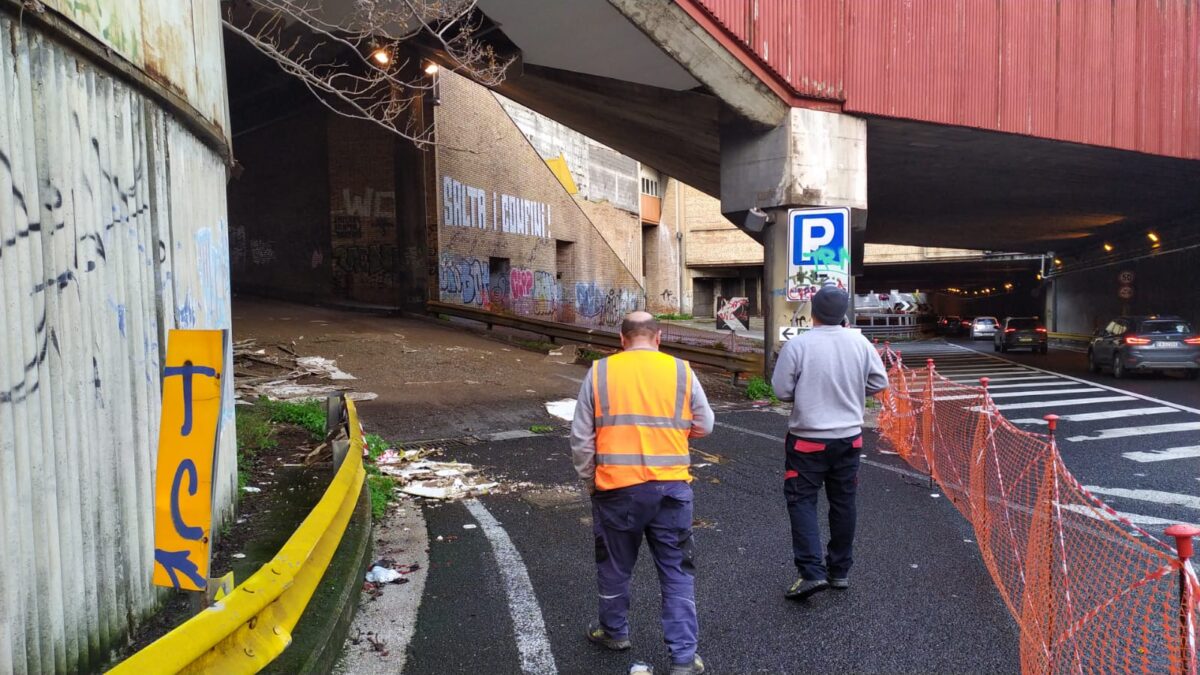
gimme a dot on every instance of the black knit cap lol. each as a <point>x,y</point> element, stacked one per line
<point>829,305</point>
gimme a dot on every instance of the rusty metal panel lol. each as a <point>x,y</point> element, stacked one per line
<point>1121,73</point>
<point>734,15</point>
<point>177,43</point>
<point>86,225</point>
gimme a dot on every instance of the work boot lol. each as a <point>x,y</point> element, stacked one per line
<point>694,668</point>
<point>804,588</point>
<point>598,636</point>
<point>842,584</point>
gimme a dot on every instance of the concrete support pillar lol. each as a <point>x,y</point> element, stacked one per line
<point>813,159</point>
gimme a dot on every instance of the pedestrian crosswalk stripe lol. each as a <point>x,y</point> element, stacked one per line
<point>1185,452</point>
<point>1005,378</point>
<point>1064,403</point>
<point>1136,519</point>
<point>1156,496</point>
<point>1125,432</point>
<point>1013,394</point>
<point>1107,414</point>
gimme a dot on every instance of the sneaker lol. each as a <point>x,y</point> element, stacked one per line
<point>694,668</point>
<point>598,636</point>
<point>839,584</point>
<point>802,588</point>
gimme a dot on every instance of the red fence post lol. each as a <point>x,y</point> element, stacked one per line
<point>1183,534</point>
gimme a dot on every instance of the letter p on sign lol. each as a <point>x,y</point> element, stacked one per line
<point>816,232</point>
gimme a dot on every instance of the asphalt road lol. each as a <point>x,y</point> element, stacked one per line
<point>514,593</point>
<point>921,600</point>
<point>1135,442</point>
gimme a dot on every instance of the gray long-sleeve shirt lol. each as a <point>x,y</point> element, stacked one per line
<point>583,427</point>
<point>828,372</point>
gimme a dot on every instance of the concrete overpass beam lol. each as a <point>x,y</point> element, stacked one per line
<point>814,159</point>
<point>703,55</point>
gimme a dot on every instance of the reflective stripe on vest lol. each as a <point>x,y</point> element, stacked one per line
<point>643,417</point>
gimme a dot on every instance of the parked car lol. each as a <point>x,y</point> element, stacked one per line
<point>1023,332</point>
<point>948,325</point>
<point>984,327</point>
<point>1145,343</point>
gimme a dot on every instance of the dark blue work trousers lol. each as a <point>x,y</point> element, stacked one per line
<point>662,512</point>
<point>810,464</point>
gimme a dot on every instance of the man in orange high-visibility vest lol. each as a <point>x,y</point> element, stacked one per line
<point>635,414</point>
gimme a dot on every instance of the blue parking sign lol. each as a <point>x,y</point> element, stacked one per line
<point>819,250</point>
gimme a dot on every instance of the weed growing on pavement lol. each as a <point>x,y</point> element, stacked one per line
<point>758,389</point>
<point>308,414</point>
<point>254,434</point>
<point>673,317</point>
<point>588,355</point>
<point>383,493</point>
<point>381,488</point>
<point>536,345</point>
<point>541,429</point>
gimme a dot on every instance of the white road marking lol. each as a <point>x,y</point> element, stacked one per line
<point>1107,414</point>
<point>1027,384</point>
<point>1013,394</point>
<point>1185,452</point>
<point>1096,384</point>
<point>1155,496</point>
<point>530,628</point>
<point>1134,518</point>
<point>1067,402</point>
<point>1125,432</point>
<point>1005,378</point>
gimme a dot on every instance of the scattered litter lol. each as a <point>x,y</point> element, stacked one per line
<point>914,566</point>
<point>470,526</point>
<point>969,541</point>
<point>281,374</point>
<point>641,668</point>
<point>251,488</point>
<point>239,556</point>
<point>935,495</point>
<point>1140,475</point>
<point>441,538</point>
<point>530,391</point>
<point>240,521</point>
<point>382,575</point>
<point>563,409</point>
<point>701,465</point>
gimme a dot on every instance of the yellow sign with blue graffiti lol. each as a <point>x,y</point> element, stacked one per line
<point>187,442</point>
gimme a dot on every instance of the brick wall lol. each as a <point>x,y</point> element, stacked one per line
<point>510,238</point>
<point>711,238</point>
<point>278,222</point>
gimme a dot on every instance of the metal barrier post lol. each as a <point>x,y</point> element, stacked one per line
<point>1183,534</point>
<point>927,419</point>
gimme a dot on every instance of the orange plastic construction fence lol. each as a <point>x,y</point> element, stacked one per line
<point>1090,591</point>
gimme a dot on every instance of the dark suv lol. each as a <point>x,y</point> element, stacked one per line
<point>1145,343</point>
<point>1020,333</point>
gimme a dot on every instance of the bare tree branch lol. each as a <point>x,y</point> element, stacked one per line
<point>351,62</point>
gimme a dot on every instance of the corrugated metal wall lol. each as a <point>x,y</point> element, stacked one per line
<point>111,231</point>
<point>1120,73</point>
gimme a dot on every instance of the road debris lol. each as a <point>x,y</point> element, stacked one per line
<point>563,409</point>
<point>280,374</point>
<point>419,476</point>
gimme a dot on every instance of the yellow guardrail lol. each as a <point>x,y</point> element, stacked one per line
<point>251,626</point>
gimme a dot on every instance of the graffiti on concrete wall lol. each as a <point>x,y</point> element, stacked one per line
<point>366,257</point>
<point>470,207</point>
<point>467,280</point>
<point>604,306</point>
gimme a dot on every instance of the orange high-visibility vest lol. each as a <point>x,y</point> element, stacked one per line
<point>643,405</point>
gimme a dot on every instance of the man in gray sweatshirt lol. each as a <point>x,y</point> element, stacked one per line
<point>827,373</point>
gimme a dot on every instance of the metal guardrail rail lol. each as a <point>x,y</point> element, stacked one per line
<point>736,363</point>
<point>1070,337</point>
<point>250,627</point>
